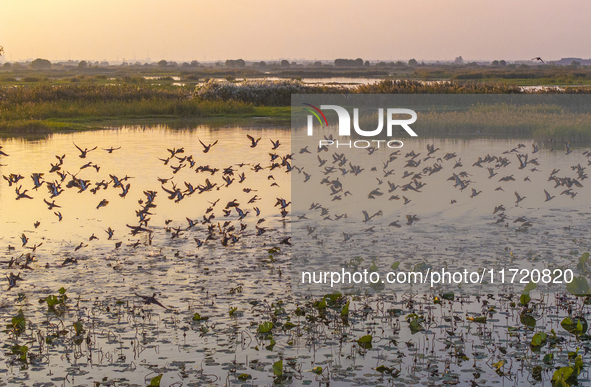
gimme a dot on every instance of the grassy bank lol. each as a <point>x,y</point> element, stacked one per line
<point>46,108</point>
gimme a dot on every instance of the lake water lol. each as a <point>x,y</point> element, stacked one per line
<point>246,283</point>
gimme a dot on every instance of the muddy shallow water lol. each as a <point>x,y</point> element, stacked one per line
<point>216,299</point>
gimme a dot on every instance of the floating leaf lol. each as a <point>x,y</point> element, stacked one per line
<point>562,373</point>
<point>479,319</point>
<point>415,326</point>
<point>548,358</point>
<point>395,265</point>
<point>278,368</point>
<point>244,377</point>
<point>529,287</point>
<point>579,287</point>
<point>271,344</point>
<point>524,299</point>
<point>18,323</point>
<point>499,364</point>
<point>21,351</point>
<point>316,370</point>
<point>577,325</point>
<point>528,320</point>
<point>365,342</point>
<point>448,296</point>
<point>289,325</point>
<point>538,339</point>
<point>155,382</point>
<point>383,369</point>
<point>265,327</point>
<point>198,317</point>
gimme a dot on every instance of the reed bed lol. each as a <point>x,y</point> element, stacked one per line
<point>23,107</point>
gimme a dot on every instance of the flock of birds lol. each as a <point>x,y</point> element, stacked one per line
<point>399,182</point>
<point>403,175</point>
<point>228,231</point>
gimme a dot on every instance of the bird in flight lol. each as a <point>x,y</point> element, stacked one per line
<point>84,152</point>
<point>538,58</point>
<point>207,147</point>
<point>253,141</point>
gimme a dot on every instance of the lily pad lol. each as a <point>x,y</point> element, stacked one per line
<point>579,287</point>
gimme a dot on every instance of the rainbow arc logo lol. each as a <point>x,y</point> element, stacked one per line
<point>315,111</point>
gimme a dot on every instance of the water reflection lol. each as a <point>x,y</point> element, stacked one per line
<point>238,287</point>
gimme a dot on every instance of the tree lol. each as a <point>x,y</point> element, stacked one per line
<point>459,60</point>
<point>502,63</point>
<point>82,64</point>
<point>575,63</point>
<point>348,62</point>
<point>162,63</point>
<point>41,64</point>
<point>235,63</point>
<point>495,63</point>
<point>412,62</point>
<point>284,63</point>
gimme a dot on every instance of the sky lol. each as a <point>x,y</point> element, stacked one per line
<point>208,30</point>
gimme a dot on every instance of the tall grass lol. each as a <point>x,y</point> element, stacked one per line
<point>28,106</point>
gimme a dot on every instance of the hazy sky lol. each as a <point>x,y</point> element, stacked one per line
<point>183,30</point>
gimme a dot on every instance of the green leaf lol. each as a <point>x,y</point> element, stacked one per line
<point>395,265</point>
<point>265,327</point>
<point>78,327</point>
<point>155,382</point>
<point>415,326</point>
<point>333,298</point>
<point>579,287</point>
<point>548,358</point>
<point>562,373</point>
<point>529,287</point>
<point>244,377</point>
<point>524,299</point>
<point>479,319</point>
<point>278,368</point>
<point>18,322</point>
<point>320,304</point>
<point>198,317</point>
<point>383,369</point>
<point>271,344</point>
<point>538,339</point>
<point>62,291</point>
<point>448,296</point>
<point>365,341</point>
<point>316,370</point>
<point>345,310</point>
<point>578,365</point>
<point>577,325</point>
<point>499,364</point>
<point>299,312</point>
<point>288,325</point>
<point>528,320</point>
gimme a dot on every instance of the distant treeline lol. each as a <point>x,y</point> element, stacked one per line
<point>349,62</point>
